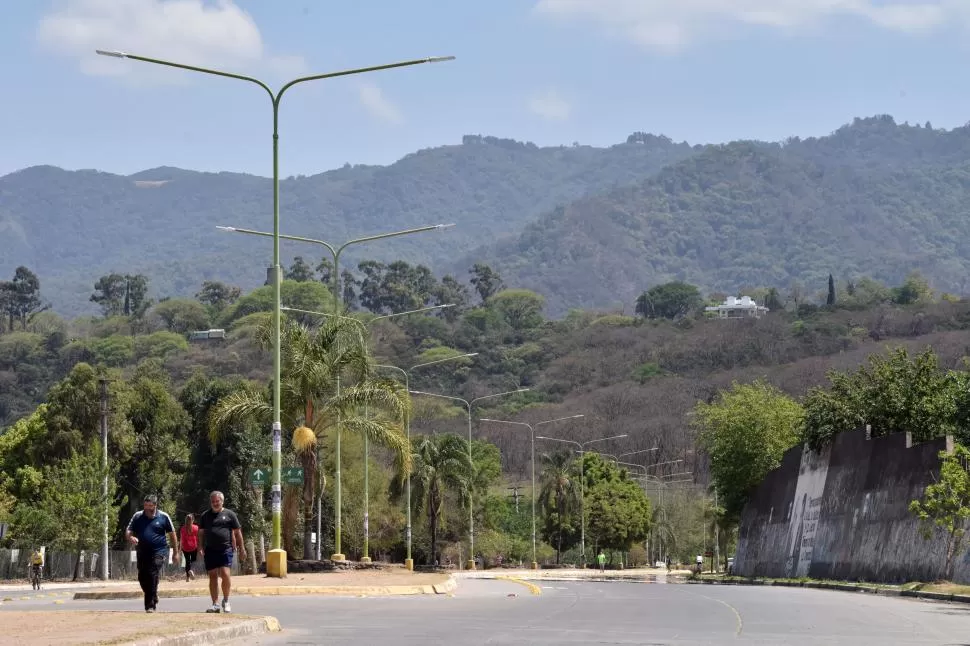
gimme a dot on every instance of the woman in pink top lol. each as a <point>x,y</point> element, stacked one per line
<point>189,538</point>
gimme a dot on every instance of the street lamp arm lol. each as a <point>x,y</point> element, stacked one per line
<point>603,439</point>
<point>267,234</point>
<point>559,419</point>
<point>382,236</point>
<point>190,68</point>
<point>446,359</point>
<point>360,70</point>
<point>417,311</point>
<point>509,392</point>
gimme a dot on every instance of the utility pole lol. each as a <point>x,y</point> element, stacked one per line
<point>717,547</point>
<point>103,387</point>
<point>515,496</point>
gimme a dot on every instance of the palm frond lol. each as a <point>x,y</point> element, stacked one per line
<point>247,404</point>
<point>390,436</point>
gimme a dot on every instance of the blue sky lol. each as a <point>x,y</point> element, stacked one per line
<point>548,71</point>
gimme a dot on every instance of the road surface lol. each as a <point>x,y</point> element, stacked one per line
<point>482,612</point>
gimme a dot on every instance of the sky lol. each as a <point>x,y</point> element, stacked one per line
<point>548,71</point>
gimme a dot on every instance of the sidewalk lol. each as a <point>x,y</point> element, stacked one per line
<point>83,628</point>
<point>343,583</point>
<point>572,574</point>
<point>54,586</point>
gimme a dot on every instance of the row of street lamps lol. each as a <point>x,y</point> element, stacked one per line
<point>276,559</point>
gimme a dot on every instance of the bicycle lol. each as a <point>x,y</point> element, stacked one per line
<point>36,576</point>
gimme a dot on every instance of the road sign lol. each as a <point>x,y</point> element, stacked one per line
<point>259,477</point>
<point>293,475</point>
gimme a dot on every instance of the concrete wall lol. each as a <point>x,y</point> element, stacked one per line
<point>844,514</point>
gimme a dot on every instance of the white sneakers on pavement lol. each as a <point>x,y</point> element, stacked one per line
<point>214,608</point>
<point>225,606</point>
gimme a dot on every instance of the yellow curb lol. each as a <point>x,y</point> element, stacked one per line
<point>7,599</point>
<point>59,602</point>
<point>533,588</point>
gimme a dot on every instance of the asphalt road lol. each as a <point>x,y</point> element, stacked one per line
<point>481,612</point>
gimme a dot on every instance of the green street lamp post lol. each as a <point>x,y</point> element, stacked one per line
<point>582,482</point>
<point>532,432</point>
<point>408,562</point>
<point>471,509</point>
<point>276,560</point>
<point>335,251</point>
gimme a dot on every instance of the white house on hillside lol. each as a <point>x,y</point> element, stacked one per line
<point>738,308</point>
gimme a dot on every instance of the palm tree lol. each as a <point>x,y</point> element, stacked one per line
<point>312,361</point>
<point>440,463</point>
<point>558,495</point>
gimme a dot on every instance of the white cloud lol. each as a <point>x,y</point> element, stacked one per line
<point>374,101</point>
<point>549,105</point>
<point>196,32</point>
<point>671,25</point>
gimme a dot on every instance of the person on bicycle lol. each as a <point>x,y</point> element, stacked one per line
<point>36,567</point>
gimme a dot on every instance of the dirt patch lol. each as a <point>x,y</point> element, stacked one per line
<point>69,628</point>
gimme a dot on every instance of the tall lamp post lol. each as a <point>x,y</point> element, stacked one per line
<point>335,251</point>
<point>366,328</point>
<point>471,508</point>
<point>582,482</point>
<point>276,559</point>
<point>532,432</point>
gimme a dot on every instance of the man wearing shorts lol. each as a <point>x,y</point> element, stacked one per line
<point>220,536</point>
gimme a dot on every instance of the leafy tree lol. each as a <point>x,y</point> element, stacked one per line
<point>945,505</point>
<point>670,300</point>
<point>486,281</point>
<point>830,299</point>
<point>915,289</point>
<point>370,285</point>
<point>559,497</point>
<point>310,296</point>
<point>181,315</point>
<point>218,296</point>
<point>349,285</point>
<point>521,308</point>
<point>451,292</point>
<point>746,430</point>
<point>894,393</point>
<point>440,466</point>
<point>300,271</point>
<point>325,270</point>
<point>69,514</point>
<point>136,301</point>
<point>119,294</point>
<point>617,509</point>
<point>20,298</point>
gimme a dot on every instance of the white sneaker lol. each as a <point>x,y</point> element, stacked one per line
<point>225,606</point>
<point>214,608</point>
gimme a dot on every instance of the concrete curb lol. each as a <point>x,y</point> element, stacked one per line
<point>846,587</point>
<point>533,588</point>
<point>219,635</point>
<point>336,591</point>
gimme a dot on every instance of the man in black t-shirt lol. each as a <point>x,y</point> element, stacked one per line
<point>220,535</point>
<point>147,531</point>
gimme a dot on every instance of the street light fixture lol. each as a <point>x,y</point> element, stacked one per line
<point>532,432</point>
<point>276,559</point>
<point>471,508</point>
<point>335,251</point>
<point>582,484</point>
<point>366,326</point>
<point>660,464</point>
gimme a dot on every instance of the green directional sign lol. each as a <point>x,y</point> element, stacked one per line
<point>259,477</point>
<point>293,475</point>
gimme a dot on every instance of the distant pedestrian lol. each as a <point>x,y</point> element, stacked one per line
<point>147,531</point>
<point>220,536</point>
<point>668,563</point>
<point>189,537</point>
<point>601,559</point>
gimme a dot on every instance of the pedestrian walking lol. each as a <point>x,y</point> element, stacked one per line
<point>601,559</point>
<point>147,531</point>
<point>189,538</point>
<point>220,536</point>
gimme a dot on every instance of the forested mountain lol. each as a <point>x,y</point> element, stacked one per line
<point>873,199</point>
<point>72,227</point>
<point>585,227</point>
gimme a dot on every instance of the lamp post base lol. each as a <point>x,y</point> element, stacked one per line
<point>409,565</point>
<point>338,557</point>
<point>470,565</point>
<point>365,559</point>
<point>276,564</point>
<point>535,566</point>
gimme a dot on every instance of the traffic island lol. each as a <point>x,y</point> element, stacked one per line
<point>340,583</point>
<point>83,628</point>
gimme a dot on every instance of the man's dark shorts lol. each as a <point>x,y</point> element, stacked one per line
<point>215,559</point>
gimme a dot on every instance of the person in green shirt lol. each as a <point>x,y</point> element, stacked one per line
<point>601,559</point>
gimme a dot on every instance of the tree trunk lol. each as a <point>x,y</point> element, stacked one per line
<point>252,560</point>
